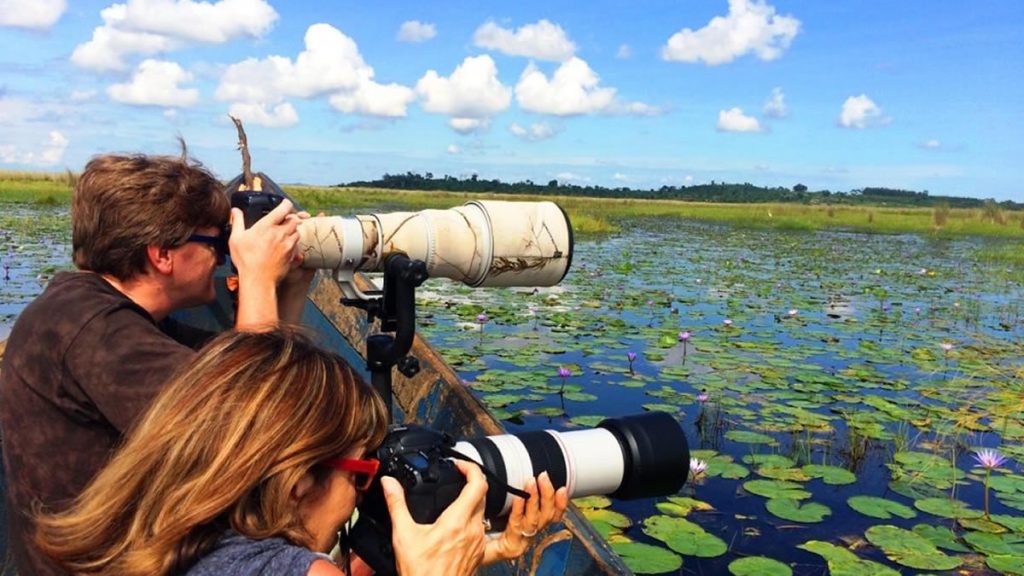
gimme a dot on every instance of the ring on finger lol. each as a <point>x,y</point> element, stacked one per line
<point>529,534</point>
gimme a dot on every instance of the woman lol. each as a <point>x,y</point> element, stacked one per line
<point>250,461</point>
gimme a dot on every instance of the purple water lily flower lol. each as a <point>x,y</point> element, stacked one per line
<point>702,397</point>
<point>563,373</point>
<point>631,356</point>
<point>989,458</point>
<point>481,318</point>
<point>684,337</point>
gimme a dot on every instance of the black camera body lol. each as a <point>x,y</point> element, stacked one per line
<point>255,205</point>
<point>418,457</point>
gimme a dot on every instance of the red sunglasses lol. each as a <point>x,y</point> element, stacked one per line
<point>363,470</point>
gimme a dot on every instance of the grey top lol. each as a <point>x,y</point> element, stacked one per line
<point>236,555</point>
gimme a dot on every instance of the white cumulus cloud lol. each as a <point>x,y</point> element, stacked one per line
<point>416,31</point>
<point>750,27</point>
<point>281,115</point>
<point>454,149</point>
<point>373,99</point>
<point>330,65</point>
<point>31,14</point>
<point>156,83</point>
<point>573,89</point>
<point>152,26</point>
<point>469,125</point>
<point>533,132</point>
<point>542,40</point>
<point>776,107</point>
<point>48,153</point>
<point>861,112</point>
<point>734,120</point>
<point>470,96</point>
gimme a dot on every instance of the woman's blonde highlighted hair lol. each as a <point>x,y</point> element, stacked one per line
<point>223,446</point>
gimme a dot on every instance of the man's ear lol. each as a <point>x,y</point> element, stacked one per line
<point>160,259</point>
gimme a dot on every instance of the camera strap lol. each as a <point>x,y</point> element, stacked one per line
<point>491,476</point>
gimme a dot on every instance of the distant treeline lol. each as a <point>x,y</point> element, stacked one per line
<point>713,192</point>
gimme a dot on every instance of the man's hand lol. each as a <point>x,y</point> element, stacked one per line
<point>263,255</point>
<point>292,292</point>
<point>451,546</point>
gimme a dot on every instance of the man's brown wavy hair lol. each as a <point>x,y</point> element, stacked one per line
<point>122,204</point>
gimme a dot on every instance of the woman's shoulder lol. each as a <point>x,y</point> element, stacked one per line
<point>238,555</point>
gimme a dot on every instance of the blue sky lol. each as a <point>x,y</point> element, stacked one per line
<point>924,95</point>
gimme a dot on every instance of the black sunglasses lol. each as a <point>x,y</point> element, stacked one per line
<point>219,243</point>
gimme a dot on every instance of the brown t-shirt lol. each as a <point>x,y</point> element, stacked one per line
<point>82,363</point>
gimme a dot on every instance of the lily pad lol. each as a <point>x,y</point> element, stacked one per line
<point>793,474</point>
<point>982,525</point>
<point>882,508</point>
<point>770,460</point>
<point>748,437</point>
<point>940,536</point>
<point>946,508</point>
<point>842,562</point>
<point>682,506</point>
<point>607,516</point>
<point>1007,483</point>
<point>684,536</point>
<point>796,511</point>
<point>910,549</point>
<point>1006,564</point>
<point>647,559</point>
<point>597,501</point>
<point>1014,523</point>
<point>724,466</point>
<point>777,489</point>
<point>759,566</point>
<point>995,544</point>
<point>832,475</point>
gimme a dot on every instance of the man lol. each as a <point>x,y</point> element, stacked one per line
<point>87,356</point>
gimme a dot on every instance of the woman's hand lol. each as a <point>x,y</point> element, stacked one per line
<point>528,518</point>
<point>454,544</point>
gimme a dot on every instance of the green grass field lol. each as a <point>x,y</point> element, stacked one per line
<point>593,216</point>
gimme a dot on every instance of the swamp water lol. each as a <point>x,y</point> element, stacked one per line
<point>835,386</point>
